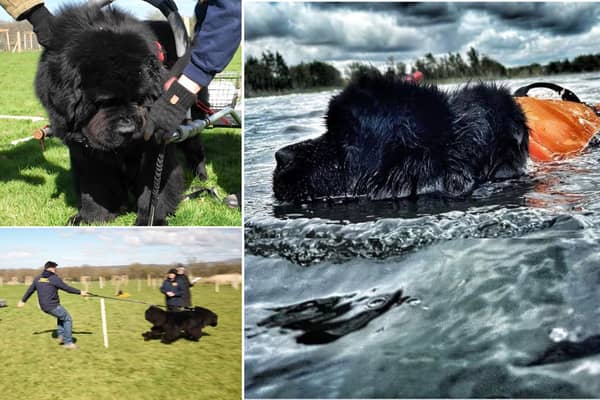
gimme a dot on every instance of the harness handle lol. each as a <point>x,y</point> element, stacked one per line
<point>565,94</point>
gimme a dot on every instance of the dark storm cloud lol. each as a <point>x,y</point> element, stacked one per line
<point>314,26</point>
<point>513,33</point>
<point>272,22</point>
<point>558,18</point>
<point>418,13</point>
<point>554,18</point>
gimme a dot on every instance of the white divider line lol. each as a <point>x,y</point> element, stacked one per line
<point>104,330</point>
<point>31,118</point>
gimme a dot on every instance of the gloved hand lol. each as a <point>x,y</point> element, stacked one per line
<point>168,112</point>
<point>41,19</point>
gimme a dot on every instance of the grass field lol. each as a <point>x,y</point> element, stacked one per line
<point>34,366</point>
<point>36,187</point>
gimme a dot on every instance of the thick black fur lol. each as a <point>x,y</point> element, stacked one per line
<point>387,138</point>
<point>169,326</point>
<point>97,79</point>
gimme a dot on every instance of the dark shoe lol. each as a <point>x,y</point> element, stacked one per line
<point>71,346</point>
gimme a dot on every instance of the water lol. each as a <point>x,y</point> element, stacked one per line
<point>489,283</point>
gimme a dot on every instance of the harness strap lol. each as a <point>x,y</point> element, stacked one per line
<point>565,94</point>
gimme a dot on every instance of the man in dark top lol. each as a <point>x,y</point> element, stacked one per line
<point>172,291</point>
<point>47,285</point>
<point>183,281</point>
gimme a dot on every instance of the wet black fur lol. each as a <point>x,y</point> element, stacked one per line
<point>168,326</point>
<point>97,80</point>
<point>387,138</point>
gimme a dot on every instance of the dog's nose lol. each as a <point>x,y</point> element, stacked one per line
<point>284,157</point>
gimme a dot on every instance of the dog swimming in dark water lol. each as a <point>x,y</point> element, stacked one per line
<point>387,138</point>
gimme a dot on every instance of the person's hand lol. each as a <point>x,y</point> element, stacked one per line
<point>20,304</point>
<point>84,293</point>
<point>170,294</point>
<point>195,280</point>
<point>168,112</point>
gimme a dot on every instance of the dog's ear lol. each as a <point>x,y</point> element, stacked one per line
<point>70,105</point>
<point>77,107</point>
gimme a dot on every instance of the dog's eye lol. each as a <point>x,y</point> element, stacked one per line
<point>105,102</point>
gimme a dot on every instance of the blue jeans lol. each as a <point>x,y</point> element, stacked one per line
<point>64,323</point>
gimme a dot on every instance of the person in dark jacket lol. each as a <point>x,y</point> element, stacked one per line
<point>217,36</point>
<point>47,284</point>
<point>184,282</point>
<point>172,291</point>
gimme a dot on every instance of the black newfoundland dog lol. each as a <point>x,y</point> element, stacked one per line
<point>97,80</point>
<point>169,326</point>
<point>387,138</point>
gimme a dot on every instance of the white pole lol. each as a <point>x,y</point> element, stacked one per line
<point>103,315</point>
<point>101,282</point>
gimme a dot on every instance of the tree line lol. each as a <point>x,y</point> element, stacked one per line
<point>270,73</point>
<point>133,271</point>
<point>452,66</point>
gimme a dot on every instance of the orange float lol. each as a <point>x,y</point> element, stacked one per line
<point>558,129</point>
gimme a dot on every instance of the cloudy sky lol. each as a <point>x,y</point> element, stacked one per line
<point>32,247</point>
<point>512,33</point>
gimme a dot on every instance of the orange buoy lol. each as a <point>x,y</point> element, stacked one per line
<point>558,129</point>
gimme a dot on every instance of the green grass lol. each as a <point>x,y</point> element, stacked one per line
<point>36,187</point>
<point>34,366</point>
<point>236,62</point>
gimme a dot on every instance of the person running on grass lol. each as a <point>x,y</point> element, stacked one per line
<point>47,285</point>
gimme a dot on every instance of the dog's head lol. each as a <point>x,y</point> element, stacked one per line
<point>156,315</point>
<point>208,317</point>
<point>119,81</point>
<point>380,131</point>
<point>106,63</point>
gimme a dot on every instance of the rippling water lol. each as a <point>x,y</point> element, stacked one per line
<point>489,284</point>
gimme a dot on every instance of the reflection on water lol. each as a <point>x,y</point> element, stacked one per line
<point>503,285</point>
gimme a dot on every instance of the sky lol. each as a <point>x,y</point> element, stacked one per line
<point>340,33</point>
<point>139,8</point>
<point>32,247</point>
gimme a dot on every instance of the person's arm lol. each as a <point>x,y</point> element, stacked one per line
<point>163,288</point>
<point>58,283</point>
<point>214,46</point>
<point>195,280</point>
<point>27,294</point>
<point>187,281</point>
<point>17,8</point>
<point>216,42</point>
